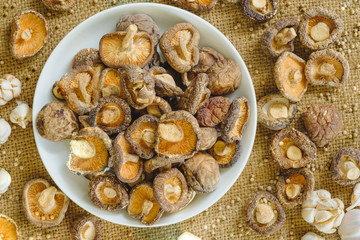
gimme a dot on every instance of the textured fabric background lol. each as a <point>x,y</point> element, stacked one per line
<point>225,219</point>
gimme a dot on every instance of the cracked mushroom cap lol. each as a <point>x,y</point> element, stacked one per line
<point>275,111</point>
<point>323,123</point>
<point>280,36</point>
<point>86,228</point>
<point>165,85</point>
<point>260,10</point>
<point>111,83</point>
<point>44,205</point>
<point>290,77</point>
<point>56,122</point>
<point>86,57</point>
<point>63,5</point>
<point>179,45</point>
<point>226,154</point>
<point>207,138</point>
<point>327,67</point>
<point>197,5</point>
<point>8,228</point>
<point>107,193</point>
<point>29,33</point>
<point>291,148</point>
<point>345,166</point>
<point>265,215</point>
<point>319,28</point>
<point>295,186</point>
<point>213,112</point>
<point>158,107</point>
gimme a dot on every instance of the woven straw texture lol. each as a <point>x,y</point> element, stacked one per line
<point>226,218</point>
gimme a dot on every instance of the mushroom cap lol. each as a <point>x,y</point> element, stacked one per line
<point>79,223</point>
<point>59,5</point>
<point>86,57</point>
<point>207,138</point>
<point>9,228</point>
<point>257,16</point>
<point>197,5</point>
<point>213,112</point>
<point>335,169</point>
<point>166,87</point>
<point>158,107</point>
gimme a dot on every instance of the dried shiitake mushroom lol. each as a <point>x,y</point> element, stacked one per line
<point>323,123</point>
<point>126,47</point>
<point>29,33</point>
<point>56,122</point>
<point>319,28</point>
<point>56,91</point>
<point>260,10</point>
<point>207,138</point>
<point>8,228</point>
<point>235,120</point>
<point>275,111</point>
<point>143,22</point>
<point>86,57</point>
<point>158,107</point>
<point>86,228</point>
<point>170,190</point>
<point>202,172</point>
<point>265,215</point>
<point>226,154</point>
<point>44,205</point>
<point>111,83</point>
<point>143,205</point>
<point>295,186</point>
<point>91,152</point>
<point>112,115</point>
<point>213,112</point>
<point>224,77</point>
<point>165,85</point>
<point>84,121</point>
<point>196,5</point>
<point>179,44</point>
<point>156,165</point>
<point>155,61</point>
<point>196,94</point>
<point>141,135</point>
<point>290,76</point>
<point>107,193</point>
<point>291,148</point>
<point>177,136</point>
<point>345,166</point>
<point>280,36</point>
<point>138,86</point>
<point>59,5</point>
<point>327,67</point>
<point>128,166</point>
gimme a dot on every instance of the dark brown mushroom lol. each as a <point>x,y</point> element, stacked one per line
<point>345,166</point>
<point>158,107</point>
<point>260,10</point>
<point>111,83</point>
<point>207,138</point>
<point>86,228</point>
<point>226,154</point>
<point>86,57</point>
<point>56,91</point>
<point>165,85</point>
<point>213,112</point>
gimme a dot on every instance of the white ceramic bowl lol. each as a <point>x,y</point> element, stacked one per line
<point>87,35</point>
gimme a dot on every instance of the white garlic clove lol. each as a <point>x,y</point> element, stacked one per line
<point>5,180</point>
<point>323,194</point>
<point>21,114</point>
<point>340,203</point>
<point>326,227</point>
<point>355,198</point>
<point>322,216</point>
<point>5,131</point>
<point>310,202</point>
<point>308,214</point>
<point>339,219</point>
<point>10,87</point>
<point>350,225</point>
<point>312,236</point>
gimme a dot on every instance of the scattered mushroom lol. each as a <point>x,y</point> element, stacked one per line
<point>311,236</point>
<point>226,154</point>
<point>213,112</point>
<point>10,88</point>
<point>21,114</point>
<point>207,138</point>
<point>112,87</point>
<point>197,5</point>
<point>158,107</point>
<point>86,228</point>
<point>5,181</point>
<point>8,228</point>
<point>86,57</point>
<point>260,10</point>
<point>5,131</point>
<point>355,198</point>
<point>345,166</point>
<point>350,226</point>
<point>56,5</point>
<point>44,205</point>
<point>165,85</point>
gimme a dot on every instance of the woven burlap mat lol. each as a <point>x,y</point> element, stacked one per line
<point>225,219</point>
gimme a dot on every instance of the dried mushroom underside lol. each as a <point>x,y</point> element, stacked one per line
<point>8,228</point>
<point>86,57</point>
<point>56,5</point>
<point>126,47</point>
<point>29,33</point>
<point>111,83</point>
<point>345,166</point>
<point>319,28</point>
<point>327,67</point>
<point>226,154</point>
<point>290,76</point>
<point>235,121</point>
<point>323,123</point>
<point>143,205</point>
<point>275,111</point>
<point>179,45</point>
<point>86,228</point>
<point>291,148</point>
<point>280,36</point>
<point>56,122</point>
<point>207,138</point>
<point>112,115</point>
<point>56,91</point>
<point>213,112</point>
<point>197,5</point>
<point>265,215</point>
<point>165,85</point>
<point>158,107</point>
<point>171,190</point>
<point>295,186</point>
<point>202,172</point>
<point>44,205</point>
<point>260,10</point>
<point>91,152</point>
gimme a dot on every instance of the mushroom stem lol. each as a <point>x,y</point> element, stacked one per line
<point>147,206</point>
<point>109,192</point>
<point>170,132</point>
<point>128,40</point>
<point>294,77</point>
<point>46,199</point>
<point>285,36</point>
<point>221,149</point>
<point>183,49</point>
<point>148,136</point>
<point>26,34</point>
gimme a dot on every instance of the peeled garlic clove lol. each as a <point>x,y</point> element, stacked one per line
<point>21,114</point>
<point>10,87</point>
<point>355,198</point>
<point>323,194</point>
<point>308,214</point>
<point>322,216</point>
<point>326,227</point>
<point>5,131</point>
<point>350,225</point>
<point>5,180</point>
<point>312,236</point>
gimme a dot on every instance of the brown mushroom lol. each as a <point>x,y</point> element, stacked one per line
<point>143,205</point>
<point>260,10</point>
<point>327,67</point>
<point>275,111</point>
<point>179,44</point>
<point>63,5</point>
<point>8,228</point>
<point>86,57</point>
<point>157,164</point>
<point>290,76</point>
<point>91,152</point>
<point>207,138</point>
<point>29,33</point>
<point>112,115</point>
<point>127,47</point>
<point>319,28</point>
<point>170,190</point>
<point>196,94</point>
<point>158,107</point>
<point>202,172</point>
<point>86,228</point>
<point>295,186</point>
<point>111,83</point>
<point>155,61</point>
<point>280,36</point>
<point>197,5</point>
<point>291,148</point>
<point>84,121</point>
<point>45,206</point>
<point>56,91</point>
<point>226,154</point>
<point>235,121</point>
<point>107,193</point>
<point>165,85</point>
<point>345,166</point>
<point>213,112</point>
<point>56,122</point>
<point>323,123</point>
<point>265,215</point>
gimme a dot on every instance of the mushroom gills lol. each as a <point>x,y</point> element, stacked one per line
<point>349,168</point>
<point>277,108</point>
<point>88,231</point>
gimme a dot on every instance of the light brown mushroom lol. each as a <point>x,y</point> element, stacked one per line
<point>86,228</point>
